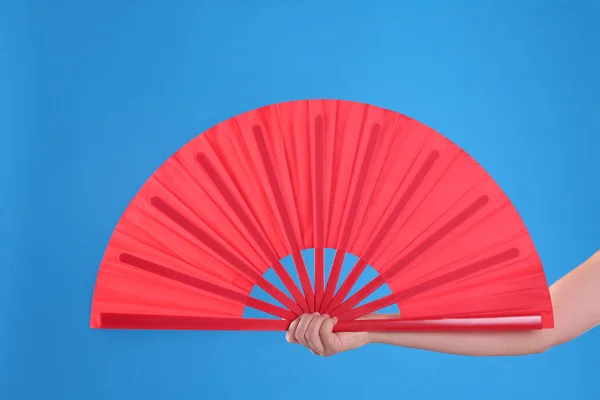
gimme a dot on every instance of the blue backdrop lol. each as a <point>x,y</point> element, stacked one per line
<point>94,96</point>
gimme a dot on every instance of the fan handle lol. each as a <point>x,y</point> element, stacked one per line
<point>140,321</point>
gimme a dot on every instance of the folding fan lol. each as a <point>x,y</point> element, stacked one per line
<point>407,202</point>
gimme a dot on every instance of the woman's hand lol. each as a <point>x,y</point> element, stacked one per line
<point>314,331</point>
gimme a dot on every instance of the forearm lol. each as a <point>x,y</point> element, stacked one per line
<point>576,302</point>
<point>470,344</point>
<point>465,343</point>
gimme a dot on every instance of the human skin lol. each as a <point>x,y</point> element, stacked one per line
<point>575,299</point>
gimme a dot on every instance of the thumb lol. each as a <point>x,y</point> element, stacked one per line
<point>327,335</point>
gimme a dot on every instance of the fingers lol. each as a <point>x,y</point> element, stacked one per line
<point>303,324</point>
<point>290,335</point>
<point>298,330</point>
<point>313,336</point>
<point>315,332</point>
<point>306,330</point>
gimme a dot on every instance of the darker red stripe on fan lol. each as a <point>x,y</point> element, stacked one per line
<point>334,274</point>
<point>399,297</point>
<point>286,279</point>
<point>437,236</point>
<point>360,184</point>
<point>283,212</point>
<point>421,248</point>
<point>228,256</point>
<point>360,266</point>
<point>197,283</point>
<point>397,211</point>
<point>457,274</point>
<point>319,181</point>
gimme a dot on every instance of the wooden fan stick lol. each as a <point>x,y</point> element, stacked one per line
<point>336,268</point>
<point>399,297</point>
<point>228,256</point>
<point>360,266</point>
<point>435,237</point>
<point>142,321</point>
<point>285,217</point>
<point>206,286</point>
<point>259,239</point>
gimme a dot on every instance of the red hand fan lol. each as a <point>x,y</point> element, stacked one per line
<point>321,174</point>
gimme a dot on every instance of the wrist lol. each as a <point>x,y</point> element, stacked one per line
<point>369,337</point>
<point>375,337</point>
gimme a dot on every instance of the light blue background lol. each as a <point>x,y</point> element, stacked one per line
<point>95,95</point>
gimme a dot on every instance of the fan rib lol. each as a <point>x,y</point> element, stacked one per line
<point>258,238</point>
<point>352,210</point>
<point>319,165</point>
<point>334,274</point>
<point>335,170</point>
<point>379,281</point>
<point>228,256</point>
<point>287,224</point>
<point>360,266</point>
<point>197,283</point>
